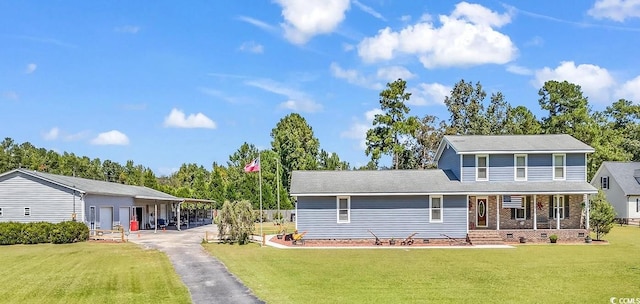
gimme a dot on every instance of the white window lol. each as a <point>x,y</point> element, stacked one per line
<point>521,213</point>
<point>436,209</point>
<point>482,167</point>
<point>559,166</point>
<point>1,212</point>
<point>604,182</point>
<point>520,164</point>
<point>558,206</point>
<point>344,209</point>
<point>27,211</point>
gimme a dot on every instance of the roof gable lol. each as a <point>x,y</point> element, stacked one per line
<point>626,175</point>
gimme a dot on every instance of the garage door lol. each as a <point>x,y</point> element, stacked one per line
<point>106,218</point>
<point>124,217</point>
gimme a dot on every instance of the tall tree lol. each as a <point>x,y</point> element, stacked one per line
<point>624,117</point>
<point>521,121</point>
<point>428,137</point>
<point>331,161</point>
<point>391,128</point>
<point>465,105</point>
<point>294,143</point>
<point>568,109</point>
<point>498,114</point>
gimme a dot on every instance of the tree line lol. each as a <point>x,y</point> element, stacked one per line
<point>410,141</point>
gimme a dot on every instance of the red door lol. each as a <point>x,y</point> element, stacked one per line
<point>481,212</point>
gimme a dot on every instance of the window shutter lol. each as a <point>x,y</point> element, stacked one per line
<point>529,207</point>
<point>550,206</point>
<point>513,213</point>
<point>566,206</point>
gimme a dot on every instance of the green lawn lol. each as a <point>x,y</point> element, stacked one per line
<point>272,228</point>
<point>530,273</point>
<point>88,273</point>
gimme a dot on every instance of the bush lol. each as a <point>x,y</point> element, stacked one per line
<point>69,232</point>
<point>36,233</point>
<point>10,233</point>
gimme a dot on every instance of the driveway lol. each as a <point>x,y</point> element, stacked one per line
<point>208,279</point>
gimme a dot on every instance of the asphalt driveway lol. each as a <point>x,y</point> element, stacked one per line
<point>208,279</point>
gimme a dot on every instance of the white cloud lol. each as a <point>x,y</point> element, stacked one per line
<point>258,23</point>
<point>129,29</point>
<point>11,95</point>
<point>616,10</point>
<point>296,100</point>
<point>31,67</point>
<point>348,47</point>
<point>177,119</point>
<point>354,77</point>
<point>51,134</point>
<point>358,129</point>
<point>392,73</point>
<point>466,37</point>
<point>535,41</point>
<point>252,47</point>
<point>76,136</point>
<point>305,19</point>
<point>369,10</point>
<point>519,70</point>
<point>405,18</point>
<point>428,94</point>
<point>630,90</point>
<point>113,137</point>
<point>596,82</point>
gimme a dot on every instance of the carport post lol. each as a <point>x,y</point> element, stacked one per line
<point>155,218</point>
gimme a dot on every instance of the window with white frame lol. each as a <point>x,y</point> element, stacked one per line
<point>558,206</point>
<point>559,166</point>
<point>436,209</point>
<point>604,182</point>
<point>482,167</point>
<point>344,209</point>
<point>520,164</point>
<point>1,213</point>
<point>27,211</point>
<point>521,213</point>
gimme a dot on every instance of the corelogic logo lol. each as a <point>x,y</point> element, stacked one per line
<point>614,300</point>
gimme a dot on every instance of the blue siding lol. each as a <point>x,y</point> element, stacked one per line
<point>390,216</point>
<point>501,167</point>
<point>576,167</point>
<point>468,168</point>
<point>539,167</point>
<point>108,201</point>
<point>449,160</point>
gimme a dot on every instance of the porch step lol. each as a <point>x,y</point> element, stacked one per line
<point>484,237</point>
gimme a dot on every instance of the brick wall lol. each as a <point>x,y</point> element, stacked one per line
<point>542,235</point>
<point>542,209</point>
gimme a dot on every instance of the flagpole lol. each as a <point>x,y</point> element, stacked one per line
<point>278,186</point>
<point>260,181</point>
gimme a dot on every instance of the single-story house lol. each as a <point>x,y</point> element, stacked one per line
<point>504,186</point>
<point>32,196</point>
<point>620,182</point>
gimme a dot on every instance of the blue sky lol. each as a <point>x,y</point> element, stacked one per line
<point>165,83</point>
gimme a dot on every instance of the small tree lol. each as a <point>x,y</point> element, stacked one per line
<point>602,215</point>
<point>226,220</point>
<point>244,221</point>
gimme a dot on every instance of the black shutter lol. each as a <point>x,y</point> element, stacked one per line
<point>550,206</point>
<point>566,206</point>
<point>529,207</point>
<point>513,213</point>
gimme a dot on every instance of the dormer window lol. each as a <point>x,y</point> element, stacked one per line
<point>559,166</point>
<point>482,167</point>
<point>520,165</point>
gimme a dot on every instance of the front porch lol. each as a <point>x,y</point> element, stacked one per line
<point>534,217</point>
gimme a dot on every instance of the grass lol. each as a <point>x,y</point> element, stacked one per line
<point>88,273</point>
<point>530,273</point>
<point>272,228</point>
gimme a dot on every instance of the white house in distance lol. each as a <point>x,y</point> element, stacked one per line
<point>620,182</point>
<point>32,196</point>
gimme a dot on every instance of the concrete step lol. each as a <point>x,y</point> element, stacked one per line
<point>485,237</point>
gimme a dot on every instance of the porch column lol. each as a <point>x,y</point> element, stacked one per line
<point>498,212</point>
<point>535,212</point>
<point>557,213</point>
<point>155,218</point>
<point>587,206</point>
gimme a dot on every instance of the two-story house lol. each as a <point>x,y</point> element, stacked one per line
<point>507,185</point>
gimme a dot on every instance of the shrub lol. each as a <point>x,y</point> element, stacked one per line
<point>36,233</point>
<point>10,233</point>
<point>69,232</point>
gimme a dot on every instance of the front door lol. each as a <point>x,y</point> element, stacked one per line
<point>481,212</point>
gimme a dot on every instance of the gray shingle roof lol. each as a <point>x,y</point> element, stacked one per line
<point>623,174</point>
<point>406,182</point>
<point>516,143</point>
<point>90,186</point>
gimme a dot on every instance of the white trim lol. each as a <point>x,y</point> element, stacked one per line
<point>450,193</point>
<point>467,213</point>
<point>486,167</point>
<point>338,198</point>
<point>431,220</point>
<point>564,166</point>
<point>516,167</point>
<point>524,152</point>
<point>486,210</point>
<point>556,205</point>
